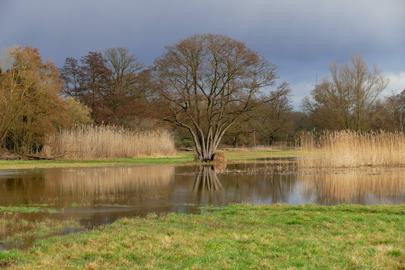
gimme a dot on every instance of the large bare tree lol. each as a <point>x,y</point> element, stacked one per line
<point>346,99</point>
<point>211,81</point>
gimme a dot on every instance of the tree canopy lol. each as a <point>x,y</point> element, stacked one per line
<point>31,104</point>
<point>210,82</point>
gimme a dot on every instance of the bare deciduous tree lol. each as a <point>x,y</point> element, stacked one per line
<point>210,82</point>
<point>345,100</point>
<point>113,84</point>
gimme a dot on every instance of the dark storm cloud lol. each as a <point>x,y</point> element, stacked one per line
<point>301,36</point>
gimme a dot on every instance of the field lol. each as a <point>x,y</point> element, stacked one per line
<point>178,158</point>
<point>234,237</point>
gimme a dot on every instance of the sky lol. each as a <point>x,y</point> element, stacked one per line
<point>302,37</point>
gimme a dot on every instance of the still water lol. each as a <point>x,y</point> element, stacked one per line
<point>101,195</point>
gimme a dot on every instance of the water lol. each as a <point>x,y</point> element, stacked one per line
<point>101,195</point>
<point>95,196</point>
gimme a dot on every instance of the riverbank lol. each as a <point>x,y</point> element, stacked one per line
<point>233,155</point>
<point>234,237</point>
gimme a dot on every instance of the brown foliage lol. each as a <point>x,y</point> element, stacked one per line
<point>113,84</point>
<point>30,102</point>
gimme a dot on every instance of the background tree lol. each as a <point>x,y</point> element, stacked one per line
<point>389,114</point>
<point>96,84</point>
<point>270,122</point>
<point>210,82</point>
<point>11,98</point>
<point>113,84</point>
<point>346,99</point>
<point>31,105</point>
<point>78,113</point>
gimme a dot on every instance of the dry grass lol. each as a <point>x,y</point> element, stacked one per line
<point>353,149</point>
<point>99,142</point>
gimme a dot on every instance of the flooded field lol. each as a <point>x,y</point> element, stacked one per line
<point>88,197</point>
<point>100,195</point>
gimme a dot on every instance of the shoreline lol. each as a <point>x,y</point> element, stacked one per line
<point>181,158</point>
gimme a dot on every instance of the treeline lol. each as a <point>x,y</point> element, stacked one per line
<point>120,90</point>
<point>204,83</point>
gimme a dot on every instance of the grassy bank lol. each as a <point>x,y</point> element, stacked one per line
<point>179,158</point>
<point>235,237</point>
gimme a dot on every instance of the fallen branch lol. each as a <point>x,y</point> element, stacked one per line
<point>36,157</point>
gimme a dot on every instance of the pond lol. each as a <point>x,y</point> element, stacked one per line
<point>97,196</point>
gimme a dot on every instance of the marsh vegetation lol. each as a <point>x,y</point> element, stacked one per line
<point>103,142</point>
<point>352,149</point>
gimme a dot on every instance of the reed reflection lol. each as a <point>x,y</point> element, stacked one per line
<point>181,188</point>
<point>88,186</point>
<point>363,186</point>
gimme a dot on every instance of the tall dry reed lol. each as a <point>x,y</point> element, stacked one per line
<point>101,142</point>
<point>353,149</point>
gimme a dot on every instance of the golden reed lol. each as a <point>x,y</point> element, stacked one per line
<point>352,149</point>
<point>101,142</point>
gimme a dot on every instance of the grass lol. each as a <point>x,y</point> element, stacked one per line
<point>26,209</point>
<point>179,158</point>
<point>353,149</point>
<point>234,237</point>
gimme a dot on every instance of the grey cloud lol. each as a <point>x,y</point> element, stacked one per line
<point>301,36</point>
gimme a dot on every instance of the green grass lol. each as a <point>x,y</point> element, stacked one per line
<point>180,158</point>
<point>26,209</point>
<point>234,237</point>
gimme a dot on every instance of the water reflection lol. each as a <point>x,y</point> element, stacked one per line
<point>64,187</point>
<point>371,186</point>
<point>104,194</point>
<point>207,180</point>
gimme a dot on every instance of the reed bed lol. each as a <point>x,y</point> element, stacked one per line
<point>353,149</point>
<point>101,142</point>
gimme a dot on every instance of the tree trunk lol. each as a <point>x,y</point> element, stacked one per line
<point>205,147</point>
<point>205,153</point>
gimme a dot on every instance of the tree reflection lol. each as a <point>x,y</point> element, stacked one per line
<point>207,180</point>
